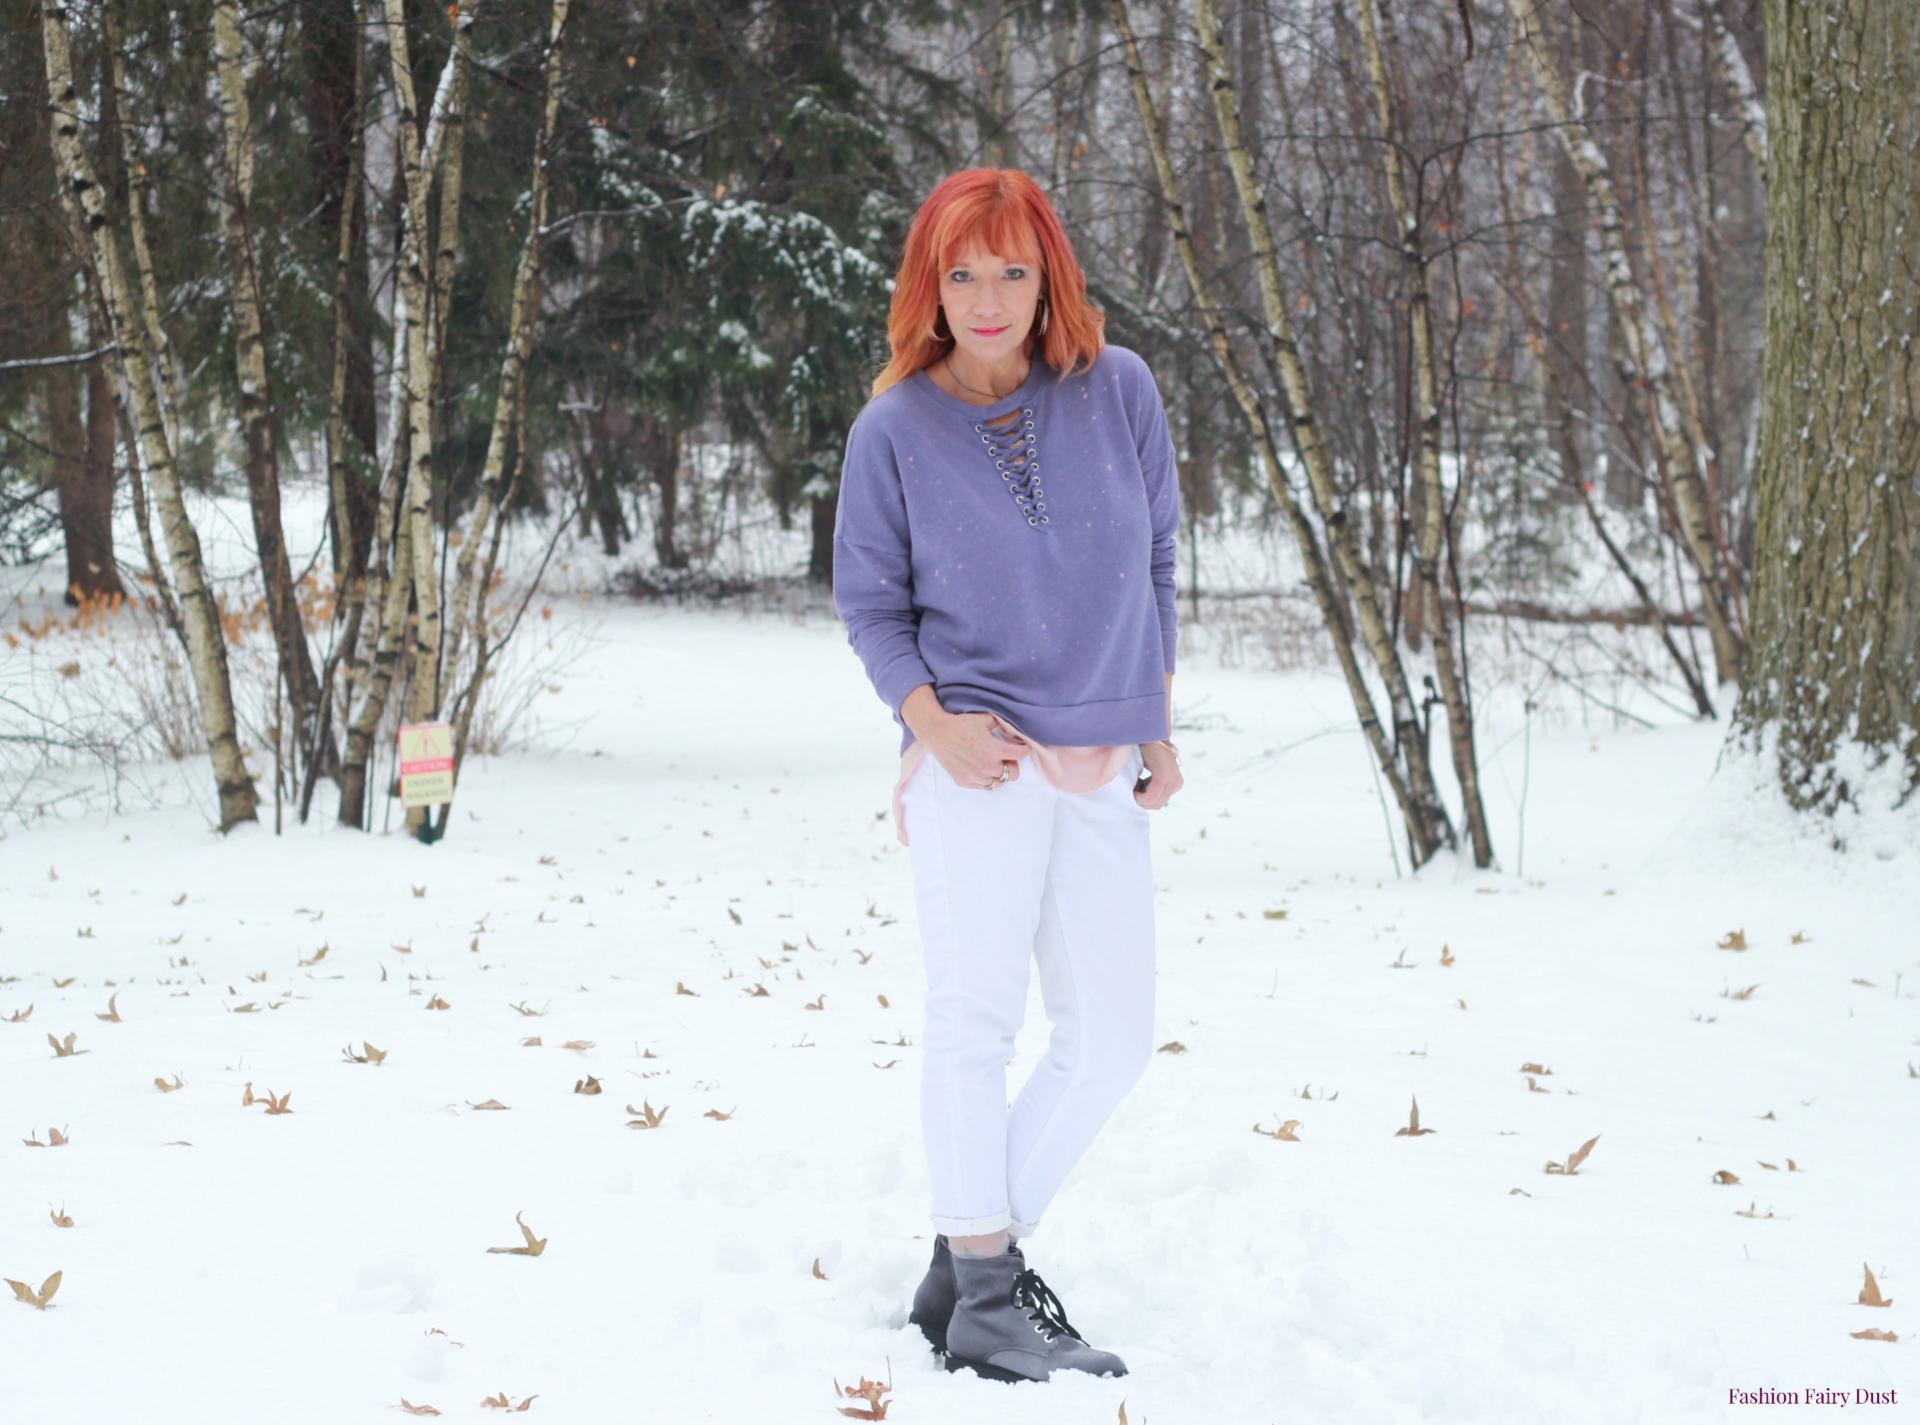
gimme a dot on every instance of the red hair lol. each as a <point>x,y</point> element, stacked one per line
<point>1004,211</point>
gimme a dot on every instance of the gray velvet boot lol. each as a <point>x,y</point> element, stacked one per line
<point>1008,1325</point>
<point>934,1299</point>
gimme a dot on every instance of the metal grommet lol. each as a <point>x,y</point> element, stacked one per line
<point>1032,520</point>
<point>1043,519</point>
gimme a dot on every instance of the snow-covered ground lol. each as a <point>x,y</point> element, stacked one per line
<point>699,799</point>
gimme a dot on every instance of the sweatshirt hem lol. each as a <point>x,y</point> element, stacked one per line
<point>1107,723</point>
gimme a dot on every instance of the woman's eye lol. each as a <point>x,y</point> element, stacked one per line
<point>1016,272</point>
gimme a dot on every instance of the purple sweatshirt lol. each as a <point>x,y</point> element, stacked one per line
<point>1027,572</point>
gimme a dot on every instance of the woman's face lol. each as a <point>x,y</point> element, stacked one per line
<point>990,303</point>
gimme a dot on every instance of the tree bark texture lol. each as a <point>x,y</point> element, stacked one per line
<point>1320,580</point>
<point>1834,664</point>
<point>1651,369</point>
<point>206,641</point>
<point>1431,827</point>
<point>258,418</point>
<point>1448,659</point>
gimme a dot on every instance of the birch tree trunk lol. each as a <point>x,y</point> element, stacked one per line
<point>1833,678</point>
<point>206,642</point>
<point>1650,369</point>
<point>521,318</point>
<point>388,584</point>
<point>1000,138</point>
<point>1732,65</point>
<point>352,545</point>
<point>1433,505</point>
<point>1434,829</point>
<point>1066,42</point>
<point>423,677</point>
<point>447,231</point>
<point>258,417</point>
<point>1421,831</point>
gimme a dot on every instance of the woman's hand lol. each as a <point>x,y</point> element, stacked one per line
<point>1163,762</point>
<point>967,748</point>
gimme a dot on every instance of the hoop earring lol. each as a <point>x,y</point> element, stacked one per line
<point>1044,306</point>
<point>939,316</point>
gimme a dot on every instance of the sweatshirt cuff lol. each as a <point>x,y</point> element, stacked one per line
<point>900,678</point>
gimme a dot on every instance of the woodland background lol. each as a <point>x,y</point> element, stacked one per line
<point>1466,310</point>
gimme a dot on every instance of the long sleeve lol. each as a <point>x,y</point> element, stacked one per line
<point>872,566</point>
<point>1149,418</point>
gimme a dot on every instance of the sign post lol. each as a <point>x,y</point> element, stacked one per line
<point>426,768</point>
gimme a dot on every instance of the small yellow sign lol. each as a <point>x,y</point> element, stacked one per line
<point>426,763</point>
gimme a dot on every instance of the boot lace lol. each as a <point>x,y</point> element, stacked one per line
<point>1046,1311</point>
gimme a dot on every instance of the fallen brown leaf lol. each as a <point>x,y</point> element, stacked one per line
<point>1573,1162</point>
<point>499,1402</point>
<point>1870,1293</point>
<point>534,1247</point>
<point>868,1390</point>
<point>647,1115</point>
<point>1413,1128</point>
<point>37,1299</point>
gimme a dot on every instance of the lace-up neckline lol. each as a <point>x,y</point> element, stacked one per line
<point>1010,444</point>
<point>1008,438</point>
<point>1047,1313</point>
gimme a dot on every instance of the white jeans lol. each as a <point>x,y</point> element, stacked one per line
<point>1023,872</point>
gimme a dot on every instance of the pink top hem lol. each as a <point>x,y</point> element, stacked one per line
<point>1069,769</point>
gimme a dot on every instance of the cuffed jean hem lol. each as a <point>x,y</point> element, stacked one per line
<point>1023,1230</point>
<point>972,1226</point>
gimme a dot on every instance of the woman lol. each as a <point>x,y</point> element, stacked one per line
<point>1004,565</point>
